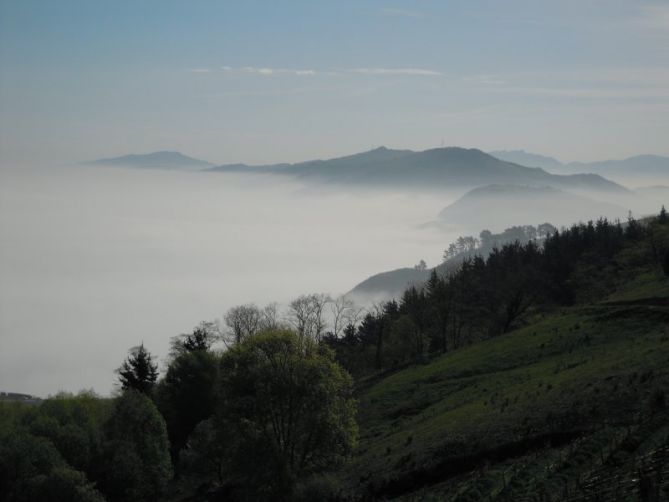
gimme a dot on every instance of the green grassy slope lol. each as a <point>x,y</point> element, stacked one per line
<point>539,412</point>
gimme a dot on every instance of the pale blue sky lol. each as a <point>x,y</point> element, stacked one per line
<point>275,81</point>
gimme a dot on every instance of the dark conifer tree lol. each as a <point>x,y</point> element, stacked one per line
<point>138,371</point>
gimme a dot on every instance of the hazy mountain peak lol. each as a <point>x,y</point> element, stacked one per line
<point>164,159</point>
<point>523,204</point>
<point>435,168</point>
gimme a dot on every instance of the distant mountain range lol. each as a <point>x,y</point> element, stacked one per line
<point>155,160</point>
<point>438,168</point>
<point>496,207</point>
<point>639,166</point>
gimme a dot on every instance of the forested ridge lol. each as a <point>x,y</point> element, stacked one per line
<point>486,297</point>
<point>538,372</point>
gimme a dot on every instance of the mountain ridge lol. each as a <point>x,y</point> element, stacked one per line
<point>436,167</point>
<point>643,165</point>
<point>163,159</point>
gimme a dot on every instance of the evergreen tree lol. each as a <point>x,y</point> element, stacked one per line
<point>138,371</point>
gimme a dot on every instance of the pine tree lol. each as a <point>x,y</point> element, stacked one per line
<point>138,371</point>
<point>663,218</point>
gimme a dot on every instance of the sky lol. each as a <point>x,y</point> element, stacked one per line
<point>252,81</point>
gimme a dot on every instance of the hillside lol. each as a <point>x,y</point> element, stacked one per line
<point>391,284</point>
<point>573,404</point>
<point>386,285</point>
<point>513,204</point>
<point>439,168</point>
<point>509,205</point>
<point>155,160</point>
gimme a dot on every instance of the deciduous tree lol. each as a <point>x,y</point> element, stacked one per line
<point>288,402</point>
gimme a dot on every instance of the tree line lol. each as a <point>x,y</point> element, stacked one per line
<point>487,296</point>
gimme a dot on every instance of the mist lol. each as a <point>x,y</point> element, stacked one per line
<point>97,260</point>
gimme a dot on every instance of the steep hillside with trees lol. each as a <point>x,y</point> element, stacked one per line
<point>392,284</point>
<point>552,380</point>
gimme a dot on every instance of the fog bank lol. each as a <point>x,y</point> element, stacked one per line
<point>96,260</point>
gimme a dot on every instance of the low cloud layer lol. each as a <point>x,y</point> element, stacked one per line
<point>97,260</point>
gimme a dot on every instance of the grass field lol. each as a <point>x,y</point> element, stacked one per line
<point>534,414</point>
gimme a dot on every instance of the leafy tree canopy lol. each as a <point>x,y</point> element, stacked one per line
<point>285,399</point>
<point>137,463</point>
<point>187,394</point>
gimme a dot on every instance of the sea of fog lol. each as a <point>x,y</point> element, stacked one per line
<point>94,261</point>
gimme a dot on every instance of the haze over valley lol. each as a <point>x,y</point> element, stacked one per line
<point>101,258</point>
<point>143,247</point>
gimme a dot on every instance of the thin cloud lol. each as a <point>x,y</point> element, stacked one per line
<point>199,70</point>
<point>394,71</point>
<point>267,71</point>
<point>390,11</point>
<point>270,71</point>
